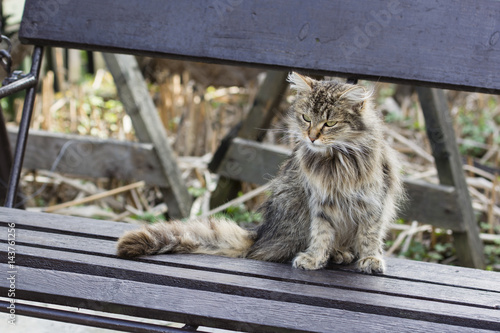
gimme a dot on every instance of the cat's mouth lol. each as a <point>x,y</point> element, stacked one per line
<point>316,146</point>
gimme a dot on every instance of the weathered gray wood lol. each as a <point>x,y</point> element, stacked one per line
<point>69,253</point>
<point>70,225</point>
<point>148,127</point>
<point>251,161</point>
<point>265,106</point>
<point>91,157</point>
<point>401,299</point>
<point>433,204</point>
<point>99,239</point>
<point>441,43</point>
<point>365,293</point>
<point>450,172</point>
<point>254,127</point>
<point>215,308</point>
<point>255,162</point>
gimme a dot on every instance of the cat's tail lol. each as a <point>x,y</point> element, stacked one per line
<point>217,236</point>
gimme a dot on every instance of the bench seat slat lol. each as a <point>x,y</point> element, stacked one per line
<point>202,307</point>
<point>367,39</point>
<point>31,242</point>
<point>108,230</point>
<point>378,296</point>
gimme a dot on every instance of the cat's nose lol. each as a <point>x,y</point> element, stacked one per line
<point>312,139</point>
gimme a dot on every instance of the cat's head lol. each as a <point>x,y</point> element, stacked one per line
<point>328,115</point>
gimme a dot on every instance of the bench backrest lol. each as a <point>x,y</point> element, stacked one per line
<point>448,44</point>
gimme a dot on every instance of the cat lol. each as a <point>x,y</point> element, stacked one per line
<point>332,200</point>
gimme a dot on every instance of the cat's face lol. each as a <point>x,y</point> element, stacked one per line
<point>327,114</point>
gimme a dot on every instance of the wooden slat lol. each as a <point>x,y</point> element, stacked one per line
<point>70,253</point>
<point>441,134</point>
<point>252,161</point>
<point>107,230</point>
<point>258,163</point>
<point>90,156</point>
<point>64,224</point>
<point>110,231</point>
<point>139,105</point>
<point>442,43</point>
<point>200,307</point>
<point>253,127</point>
<point>433,204</point>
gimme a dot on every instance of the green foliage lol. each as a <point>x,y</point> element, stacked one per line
<point>393,117</point>
<point>197,191</point>
<point>416,251</point>
<point>475,126</point>
<point>422,252</point>
<point>149,218</point>
<point>492,253</point>
<point>240,214</point>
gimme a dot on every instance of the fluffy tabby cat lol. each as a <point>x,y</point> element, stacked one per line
<point>331,200</point>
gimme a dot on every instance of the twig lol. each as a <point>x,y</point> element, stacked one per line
<point>425,174</point>
<point>479,172</point>
<point>94,197</point>
<point>397,242</point>
<point>239,200</point>
<point>492,205</point>
<point>411,232</point>
<point>419,151</point>
<point>88,188</point>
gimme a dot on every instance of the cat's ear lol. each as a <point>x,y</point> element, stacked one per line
<point>299,82</point>
<point>356,94</point>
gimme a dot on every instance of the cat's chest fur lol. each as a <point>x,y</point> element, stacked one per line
<point>336,194</point>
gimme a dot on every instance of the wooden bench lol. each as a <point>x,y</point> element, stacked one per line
<point>71,262</point>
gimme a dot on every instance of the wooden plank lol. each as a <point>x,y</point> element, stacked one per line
<point>443,43</point>
<point>255,162</point>
<point>148,128</point>
<point>110,231</point>
<point>380,303</point>
<point>439,125</point>
<point>200,307</point>
<point>91,157</point>
<point>278,282</point>
<point>251,161</point>
<point>254,127</point>
<point>433,204</point>
<point>64,224</point>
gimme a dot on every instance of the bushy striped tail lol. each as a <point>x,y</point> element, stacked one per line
<point>216,236</point>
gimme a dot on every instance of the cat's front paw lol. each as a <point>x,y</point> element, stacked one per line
<point>371,265</point>
<point>342,257</point>
<point>308,261</point>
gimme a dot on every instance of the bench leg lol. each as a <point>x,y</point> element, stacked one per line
<point>259,119</point>
<point>450,172</point>
<point>148,127</point>
<point>22,136</point>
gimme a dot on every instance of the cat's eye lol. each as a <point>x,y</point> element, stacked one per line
<point>306,118</point>
<point>330,123</point>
